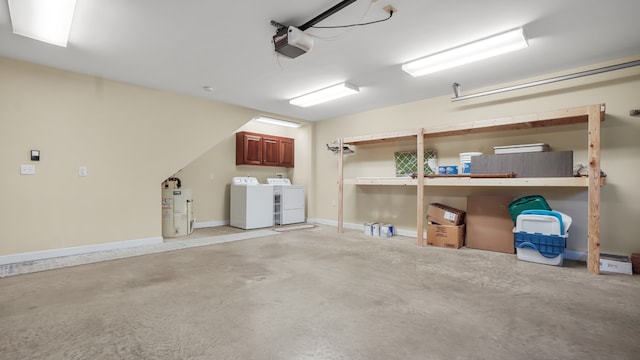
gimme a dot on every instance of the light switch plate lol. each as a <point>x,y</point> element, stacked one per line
<point>27,169</point>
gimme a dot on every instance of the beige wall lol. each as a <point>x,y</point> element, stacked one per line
<point>396,205</point>
<point>210,174</point>
<point>130,139</point>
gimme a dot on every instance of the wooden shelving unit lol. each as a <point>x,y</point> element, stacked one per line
<point>473,182</point>
<point>592,115</point>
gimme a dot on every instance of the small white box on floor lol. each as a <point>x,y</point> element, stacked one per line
<point>615,264</point>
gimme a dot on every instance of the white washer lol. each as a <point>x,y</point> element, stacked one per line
<point>251,203</point>
<point>288,201</point>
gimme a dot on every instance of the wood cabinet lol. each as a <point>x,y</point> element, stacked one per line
<point>270,151</point>
<point>592,115</point>
<point>264,150</point>
<point>248,149</point>
<point>285,152</point>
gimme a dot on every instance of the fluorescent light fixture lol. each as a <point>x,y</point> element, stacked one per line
<point>323,95</point>
<point>44,20</point>
<point>272,121</point>
<point>478,50</point>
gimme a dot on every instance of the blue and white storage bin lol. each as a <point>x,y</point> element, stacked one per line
<point>539,248</point>
<point>541,236</point>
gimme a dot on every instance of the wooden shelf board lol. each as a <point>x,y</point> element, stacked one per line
<point>513,182</point>
<point>396,181</point>
<point>474,182</point>
<point>530,121</point>
<point>382,137</point>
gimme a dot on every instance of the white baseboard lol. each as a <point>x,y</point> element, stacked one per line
<point>575,255</point>
<point>206,224</point>
<point>568,254</point>
<point>77,250</point>
<point>354,226</point>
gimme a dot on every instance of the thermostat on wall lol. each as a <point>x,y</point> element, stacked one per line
<point>35,155</point>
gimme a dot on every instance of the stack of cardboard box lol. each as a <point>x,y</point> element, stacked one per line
<point>445,226</point>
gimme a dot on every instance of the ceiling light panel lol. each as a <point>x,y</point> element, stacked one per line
<point>323,95</point>
<point>478,50</point>
<point>44,20</point>
<point>273,121</point>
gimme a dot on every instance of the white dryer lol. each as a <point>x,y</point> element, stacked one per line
<point>288,201</point>
<point>251,203</point>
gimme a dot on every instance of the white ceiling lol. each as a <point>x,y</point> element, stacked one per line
<point>181,46</point>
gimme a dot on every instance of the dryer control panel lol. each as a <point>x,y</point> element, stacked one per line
<point>245,180</point>
<point>279,181</point>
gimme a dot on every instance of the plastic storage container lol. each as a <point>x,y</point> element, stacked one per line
<point>531,202</point>
<point>531,255</point>
<point>541,235</point>
<point>565,219</point>
<point>546,222</point>
<point>538,248</point>
<point>465,161</point>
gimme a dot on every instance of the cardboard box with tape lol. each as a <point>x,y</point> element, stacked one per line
<point>445,226</point>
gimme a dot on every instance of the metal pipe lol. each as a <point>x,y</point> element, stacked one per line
<point>326,14</point>
<point>550,80</point>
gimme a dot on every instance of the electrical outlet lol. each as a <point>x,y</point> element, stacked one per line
<point>390,9</point>
<point>27,169</point>
<point>82,171</point>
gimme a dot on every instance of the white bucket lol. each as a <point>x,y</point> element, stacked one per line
<point>368,228</point>
<point>386,230</point>
<point>375,229</point>
<point>465,161</point>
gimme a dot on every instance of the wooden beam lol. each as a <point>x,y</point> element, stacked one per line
<point>340,186</point>
<point>579,182</point>
<point>543,119</point>
<point>593,258</point>
<point>399,135</point>
<point>420,184</point>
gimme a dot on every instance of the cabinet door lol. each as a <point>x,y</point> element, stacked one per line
<point>286,153</point>
<point>270,151</point>
<point>248,149</point>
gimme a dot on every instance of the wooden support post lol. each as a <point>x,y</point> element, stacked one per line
<point>420,186</point>
<point>593,259</point>
<point>340,186</point>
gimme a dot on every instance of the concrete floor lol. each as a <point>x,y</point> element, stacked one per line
<point>315,294</point>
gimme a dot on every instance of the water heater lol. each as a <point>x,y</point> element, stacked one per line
<point>177,212</point>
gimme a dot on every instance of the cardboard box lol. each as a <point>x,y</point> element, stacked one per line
<point>489,224</point>
<point>615,264</point>
<point>531,164</point>
<point>448,236</point>
<point>444,215</point>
